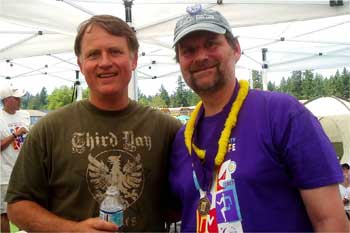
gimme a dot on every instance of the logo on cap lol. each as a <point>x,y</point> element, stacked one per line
<point>193,10</point>
<point>199,19</point>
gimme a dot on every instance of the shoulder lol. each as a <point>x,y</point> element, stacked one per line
<point>143,109</point>
<point>272,97</point>
<point>275,102</point>
<point>66,110</point>
<point>155,115</point>
<point>58,116</point>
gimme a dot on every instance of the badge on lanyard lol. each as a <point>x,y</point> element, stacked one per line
<point>219,212</point>
<point>228,215</point>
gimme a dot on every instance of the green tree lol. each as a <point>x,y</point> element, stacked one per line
<point>271,86</point>
<point>180,95</point>
<point>307,87</point>
<point>142,98</point>
<point>163,93</point>
<point>318,86</point>
<point>60,97</point>
<point>25,100</point>
<point>193,98</point>
<point>328,87</point>
<point>257,79</point>
<point>346,83</point>
<point>86,93</point>
<point>283,86</point>
<point>38,101</point>
<point>158,101</point>
<point>338,84</point>
<point>34,102</point>
<point>295,84</point>
<point>43,98</point>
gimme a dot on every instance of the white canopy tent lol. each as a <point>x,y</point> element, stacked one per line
<point>334,116</point>
<point>328,106</point>
<point>31,29</point>
<point>337,129</point>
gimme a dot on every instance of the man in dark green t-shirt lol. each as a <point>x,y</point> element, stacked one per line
<point>74,154</point>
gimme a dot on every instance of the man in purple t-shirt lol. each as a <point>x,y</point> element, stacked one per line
<point>247,160</point>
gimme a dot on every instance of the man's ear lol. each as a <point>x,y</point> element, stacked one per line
<point>79,63</point>
<point>237,51</point>
<point>134,58</point>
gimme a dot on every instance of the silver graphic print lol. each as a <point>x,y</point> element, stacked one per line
<point>119,168</point>
<point>78,144</point>
<point>86,142</point>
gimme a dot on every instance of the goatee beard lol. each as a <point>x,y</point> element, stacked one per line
<point>217,83</point>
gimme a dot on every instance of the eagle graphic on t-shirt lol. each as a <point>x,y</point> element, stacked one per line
<point>115,169</point>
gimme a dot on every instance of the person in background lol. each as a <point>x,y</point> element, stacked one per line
<point>14,125</point>
<point>344,189</point>
<point>247,160</point>
<point>346,172</point>
<point>72,155</point>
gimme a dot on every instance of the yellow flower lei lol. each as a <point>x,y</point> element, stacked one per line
<point>230,123</point>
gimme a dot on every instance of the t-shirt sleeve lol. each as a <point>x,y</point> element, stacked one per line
<point>29,177</point>
<point>304,147</point>
<point>175,125</point>
<point>171,125</point>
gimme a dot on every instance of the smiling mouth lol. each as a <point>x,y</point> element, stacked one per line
<point>107,75</point>
<point>198,71</point>
<point>203,68</point>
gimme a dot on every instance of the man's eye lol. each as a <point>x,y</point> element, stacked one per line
<point>187,51</point>
<point>115,52</point>
<point>210,44</point>
<point>92,55</point>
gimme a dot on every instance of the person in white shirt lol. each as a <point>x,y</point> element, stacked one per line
<point>344,189</point>
<point>14,125</point>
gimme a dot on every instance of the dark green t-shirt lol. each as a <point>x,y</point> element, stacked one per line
<point>73,154</point>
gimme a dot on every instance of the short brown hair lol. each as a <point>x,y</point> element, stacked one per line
<point>113,25</point>
<point>231,40</point>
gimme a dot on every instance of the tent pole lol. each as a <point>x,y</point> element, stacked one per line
<point>264,69</point>
<point>132,88</point>
<point>79,90</point>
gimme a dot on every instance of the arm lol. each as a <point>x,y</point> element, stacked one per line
<point>346,198</point>
<point>5,142</point>
<point>32,217</point>
<point>325,209</point>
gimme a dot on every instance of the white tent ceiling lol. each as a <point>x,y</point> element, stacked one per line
<point>31,29</point>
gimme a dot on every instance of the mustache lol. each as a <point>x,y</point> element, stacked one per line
<point>203,65</point>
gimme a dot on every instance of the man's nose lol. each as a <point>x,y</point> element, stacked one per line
<point>105,60</point>
<point>202,54</point>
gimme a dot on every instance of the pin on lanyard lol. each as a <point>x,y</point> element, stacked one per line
<point>204,203</point>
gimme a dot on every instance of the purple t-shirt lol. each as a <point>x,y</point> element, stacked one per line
<point>279,147</point>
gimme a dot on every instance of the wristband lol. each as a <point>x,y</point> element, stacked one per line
<point>14,135</point>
